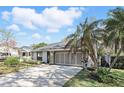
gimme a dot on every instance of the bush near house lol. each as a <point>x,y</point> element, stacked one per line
<point>33,62</point>
<point>28,60</point>
<point>11,61</point>
<point>118,65</point>
<point>14,64</point>
<point>120,62</point>
<point>103,76</point>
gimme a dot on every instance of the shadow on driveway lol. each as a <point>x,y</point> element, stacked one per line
<point>40,76</point>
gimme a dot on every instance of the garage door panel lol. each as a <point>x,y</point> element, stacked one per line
<point>79,58</point>
<point>72,59</point>
<point>67,58</point>
<point>57,58</point>
<point>62,58</point>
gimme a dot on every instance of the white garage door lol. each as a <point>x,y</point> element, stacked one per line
<point>67,58</point>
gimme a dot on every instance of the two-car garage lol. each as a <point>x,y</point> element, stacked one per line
<point>68,58</point>
<point>57,54</point>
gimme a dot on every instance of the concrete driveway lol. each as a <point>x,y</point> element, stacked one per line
<point>40,76</point>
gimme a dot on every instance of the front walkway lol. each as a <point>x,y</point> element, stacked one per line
<point>40,76</point>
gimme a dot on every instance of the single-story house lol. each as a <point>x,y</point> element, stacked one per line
<point>25,51</point>
<point>56,53</point>
<point>5,52</point>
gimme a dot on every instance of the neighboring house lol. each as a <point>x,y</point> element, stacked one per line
<point>57,54</point>
<point>25,51</point>
<point>8,49</point>
<point>4,52</point>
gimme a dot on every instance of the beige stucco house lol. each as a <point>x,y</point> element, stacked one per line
<point>57,54</point>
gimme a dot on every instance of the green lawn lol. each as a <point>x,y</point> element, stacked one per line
<point>83,80</point>
<point>5,69</point>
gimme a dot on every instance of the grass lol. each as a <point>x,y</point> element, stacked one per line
<point>82,79</point>
<point>6,69</point>
<point>122,54</point>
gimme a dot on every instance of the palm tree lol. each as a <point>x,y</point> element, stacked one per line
<point>86,38</point>
<point>115,29</point>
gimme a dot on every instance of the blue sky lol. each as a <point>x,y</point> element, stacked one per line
<point>36,24</point>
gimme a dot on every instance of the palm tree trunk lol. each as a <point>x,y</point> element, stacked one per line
<point>122,44</point>
<point>115,48</point>
<point>115,59</point>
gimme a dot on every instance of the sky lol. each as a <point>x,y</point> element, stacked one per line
<point>35,24</point>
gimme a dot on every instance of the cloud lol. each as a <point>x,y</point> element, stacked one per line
<point>13,27</point>
<point>6,15</point>
<point>36,36</point>
<point>53,30</point>
<point>24,17</point>
<point>52,19</point>
<point>22,33</point>
<point>47,38</point>
<point>55,18</point>
<point>71,29</point>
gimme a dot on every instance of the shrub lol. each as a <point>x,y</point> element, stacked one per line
<point>118,65</point>
<point>39,62</point>
<point>11,61</point>
<point>102,71</point>
<point>29,60</point>
<point>103,76</point>
<point>33,62</point>
<point>21,60</point>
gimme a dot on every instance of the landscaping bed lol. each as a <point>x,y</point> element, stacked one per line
<point>83,79</point>
<point>4,69</point>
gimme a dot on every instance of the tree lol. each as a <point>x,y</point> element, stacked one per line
<point>35,46</point>
<point>87,38</point>
<point>7,39</point>
<point>115,31</point>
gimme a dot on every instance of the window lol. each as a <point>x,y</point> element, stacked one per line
<point>23,54</point>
